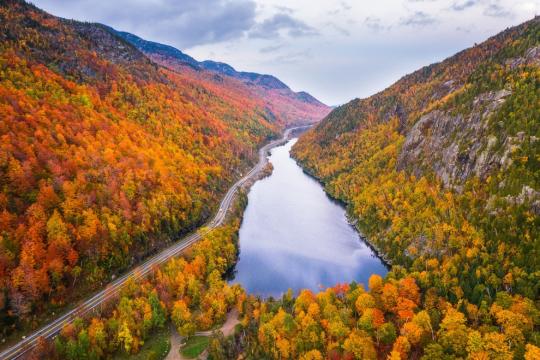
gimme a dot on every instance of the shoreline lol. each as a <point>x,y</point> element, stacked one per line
<point>352,222</point>
<point>387,263</point>
<point>15,347</point>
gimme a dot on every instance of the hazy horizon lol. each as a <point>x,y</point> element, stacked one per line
<point>335,50</point>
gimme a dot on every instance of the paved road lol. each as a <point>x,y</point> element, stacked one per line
<point>112,289</point>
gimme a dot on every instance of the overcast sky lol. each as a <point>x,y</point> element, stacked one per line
<point>335,49</point>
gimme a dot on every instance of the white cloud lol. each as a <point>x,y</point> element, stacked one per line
<point>418,18</point>
<point>274,26</point>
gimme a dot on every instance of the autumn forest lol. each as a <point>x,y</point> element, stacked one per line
<point>114,148</point>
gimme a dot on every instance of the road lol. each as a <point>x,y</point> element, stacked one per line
<point>142,270</point>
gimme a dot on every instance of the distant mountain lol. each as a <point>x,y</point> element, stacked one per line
<point>267,81</point>
<point>158,49</point>
<point>306,97</point>
<point>155,48</point>
<point>281,102</point>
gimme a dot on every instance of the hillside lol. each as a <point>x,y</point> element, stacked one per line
<point>280,104</point>
<point>105,157</point>
<point>441,172</point>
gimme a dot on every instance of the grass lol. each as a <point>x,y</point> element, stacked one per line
<point>156,347</point>
<point>194,346</point>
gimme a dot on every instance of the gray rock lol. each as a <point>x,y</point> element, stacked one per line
<point>531,57</point>
<point>528,195</point>
<point>456,147</point>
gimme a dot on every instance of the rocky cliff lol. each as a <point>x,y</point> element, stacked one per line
<point>444,167</point>
<point>456,147</point>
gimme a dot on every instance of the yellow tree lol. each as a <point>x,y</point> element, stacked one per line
<point>360,344</point>
<point>181,317</point>
<point>125,337</point>
<point>532,352</point>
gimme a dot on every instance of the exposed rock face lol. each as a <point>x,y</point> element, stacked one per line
<point>106,44</point>
<point>532,57</point>
<point>527,195</point>
<point>432,143</point>
<point>457,147</point>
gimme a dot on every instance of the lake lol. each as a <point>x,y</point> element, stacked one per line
<point>294,236</point>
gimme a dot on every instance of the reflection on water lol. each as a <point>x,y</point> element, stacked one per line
<point>294,236</point>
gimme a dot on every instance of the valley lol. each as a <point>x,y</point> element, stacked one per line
<point>142,190</point>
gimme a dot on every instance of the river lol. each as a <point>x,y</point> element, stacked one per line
<point>294,236</point>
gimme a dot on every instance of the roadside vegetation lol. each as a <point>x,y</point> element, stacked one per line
<point>189,291</point>
<point>194,346</point>
<point>156,347</point>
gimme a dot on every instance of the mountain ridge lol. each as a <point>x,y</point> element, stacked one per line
<point>156,48</point>
<point>466,124</point>
<point>151,46</point>
<point>281,102</point>
<point>474,54</point>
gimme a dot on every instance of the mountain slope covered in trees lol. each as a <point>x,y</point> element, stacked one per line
<point>280,103</point>
<point>105,156</point>
<point>441,172</point>
<point>460,135</point>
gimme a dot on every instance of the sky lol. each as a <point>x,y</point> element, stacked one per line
<point>337,50</point>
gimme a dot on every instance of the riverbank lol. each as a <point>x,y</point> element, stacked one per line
<point>350,217</point>
<point>93,304</point>
<point>295,236</point>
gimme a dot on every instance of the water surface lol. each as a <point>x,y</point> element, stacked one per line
<point>294,236</point>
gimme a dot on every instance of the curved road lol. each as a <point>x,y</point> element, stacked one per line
<point>112,289</point>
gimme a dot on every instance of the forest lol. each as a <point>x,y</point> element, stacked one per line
<point>465,231</point>
<point>189,291</point>
<point>107,156</point>
<point>390,318</point>
<point>464,278</point>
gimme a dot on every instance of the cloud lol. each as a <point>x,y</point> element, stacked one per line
<point>375,24</point>
<point>418,19</point>
<point>285,9</point>
<point>270,49</point>
<point>465,29</point>
<point>345,6</point>
<point>271,28</point>
<point>185,23</point>
<point>496,10</point>
<point>293,57</point>
<point>492,8</point>
<point>463,4</point>
<point>343,31</point>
